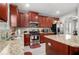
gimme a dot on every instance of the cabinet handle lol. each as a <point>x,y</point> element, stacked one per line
<point>49,44</point>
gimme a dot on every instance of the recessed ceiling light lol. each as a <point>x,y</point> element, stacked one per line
<point>57,12</point>
<point>27,5</point>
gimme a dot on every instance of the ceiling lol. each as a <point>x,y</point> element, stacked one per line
<point>48,9</point>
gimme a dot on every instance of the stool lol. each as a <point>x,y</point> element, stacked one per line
<point>27,53</point>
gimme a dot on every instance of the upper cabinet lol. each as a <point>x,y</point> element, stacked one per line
<point>22,20</point>
<point>40,20</point>
<point>19,19</point>
<point>33,16</point>
<point>13,15</point>
<point>49,21</point>
<point>3,11</point>
<point>45,21</point>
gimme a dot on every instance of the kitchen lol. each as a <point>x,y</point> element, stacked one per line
<point>41,28</point>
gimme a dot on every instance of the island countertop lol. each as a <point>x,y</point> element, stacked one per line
<point>74,41</point>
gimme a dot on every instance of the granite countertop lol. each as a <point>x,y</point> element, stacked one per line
<point>14,47</point>
<point>3,44</point>
<point>74,41</point>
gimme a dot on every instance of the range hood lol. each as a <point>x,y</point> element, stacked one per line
<point>33,24</point>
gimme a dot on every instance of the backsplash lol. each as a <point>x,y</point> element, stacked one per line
<point>3,30</point>
<point>4,26</point>
<point>21,30</point>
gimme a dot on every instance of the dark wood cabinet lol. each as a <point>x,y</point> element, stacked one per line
<point>74,50</point>
<point>4,11</point>
<point>42,21</point>
<point>42,38</point>
<point>22,20</point>
<point>56,48</point>
<point>49,22</point>
<point>19,20</point>
<point>33,16</point>
<point>26,40</point>
<point>45,21</point>
<point>13,15</point>
<point>26,21</point>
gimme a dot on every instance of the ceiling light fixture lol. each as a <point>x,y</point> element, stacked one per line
<point>57,12</point>
<point>27,5</point>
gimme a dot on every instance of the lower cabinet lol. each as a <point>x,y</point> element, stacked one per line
<point>42,39</point>
<point>74,50</point>
<point>26,40</point>
<point>56,48</point>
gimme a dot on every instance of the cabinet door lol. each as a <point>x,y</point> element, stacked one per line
<point>49,22</point>
<point>13,15</point>
<point>50,47</point>
<point>22,20</point>
<point>26,20</point>
<point>44,22</point>
<point>42,39</point>
<point>3,11</point>
<point>33,16</point>
<point>19,20</point>
<point>74,50</point>
<point>56,48</point>
<point>60,48</point>
<point>26,40</point>
<point>40,21</point>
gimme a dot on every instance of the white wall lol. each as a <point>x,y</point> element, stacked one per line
<point>78,19</point>
<point>63,18</point>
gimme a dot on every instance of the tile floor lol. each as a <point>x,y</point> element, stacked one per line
<point>36,51</point>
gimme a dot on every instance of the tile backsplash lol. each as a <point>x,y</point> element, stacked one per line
<point>3,30</point>
<point>3,26</point>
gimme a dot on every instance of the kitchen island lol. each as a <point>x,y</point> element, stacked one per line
<point>58,45</point>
